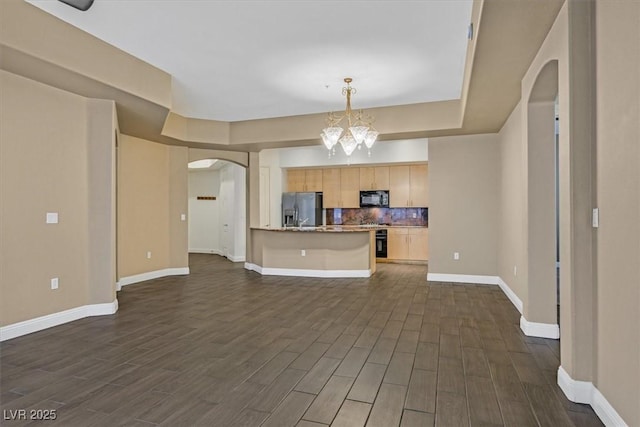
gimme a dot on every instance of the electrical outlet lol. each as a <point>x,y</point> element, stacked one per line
<point>183,217</point>
<point>149,255</point>
<point>303,252</point>
<point>54,283</point>
<point>456,256</point>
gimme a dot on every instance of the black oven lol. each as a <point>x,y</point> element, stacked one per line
<point>381,243</point>
<point>374,199</point>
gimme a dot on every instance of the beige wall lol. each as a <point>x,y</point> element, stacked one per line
<point>463,204</point>
<point>512,232</point>
<point>152,194</point>
<point>101,181</point>
<point>600,325</point>
<point>178,206</point>
<point>47,146</point>
<point>618,302</point>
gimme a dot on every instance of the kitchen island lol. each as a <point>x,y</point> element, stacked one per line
<point>313,252</point>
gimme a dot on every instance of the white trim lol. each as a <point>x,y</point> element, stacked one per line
<point>463,278</point>
<point>205,251</point>
<point>129,280</point>
<point>607,413</point>
<point>253,267</point>
<point>268,271</point>
<point>50,320</point>
<point>517,302</point>
<point>541,330</point>
<point>576,391</point>
<point>586,392</point>
<point>239,258</point>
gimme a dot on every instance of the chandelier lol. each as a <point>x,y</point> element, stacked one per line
<point>359,129</point>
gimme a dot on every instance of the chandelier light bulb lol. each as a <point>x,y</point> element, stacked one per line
<point>370,138</point>
<point>349,144</point>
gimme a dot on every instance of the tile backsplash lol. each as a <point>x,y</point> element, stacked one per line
<point>392,216</point>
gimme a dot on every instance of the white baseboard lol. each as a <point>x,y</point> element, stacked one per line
<point>240,258</point>
<point>586,392</point>
<point>50,320</point>
<point>205,251</point>
<point>129,280</point>
<point>267,271</point>
<point>463,278</point>
<point>541,330</point>
<point>517,302</point>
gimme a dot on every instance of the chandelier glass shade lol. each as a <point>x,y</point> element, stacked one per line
<point>359,129</point>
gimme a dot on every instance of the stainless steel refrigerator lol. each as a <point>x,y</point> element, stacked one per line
<point>301,209</point>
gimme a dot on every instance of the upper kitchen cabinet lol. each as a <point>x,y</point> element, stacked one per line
<point>341,188</point>
<point>331,188</point>
<point>350,187</point>
<point>374,178</point>
<point>299,180</point>
<point>408,186</point>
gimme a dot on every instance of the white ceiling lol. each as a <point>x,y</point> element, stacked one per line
<point>242,60</point>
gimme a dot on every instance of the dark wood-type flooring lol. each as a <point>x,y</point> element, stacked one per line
<point>228,347</point>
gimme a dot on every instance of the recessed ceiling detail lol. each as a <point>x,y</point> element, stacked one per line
<point>242,60</point>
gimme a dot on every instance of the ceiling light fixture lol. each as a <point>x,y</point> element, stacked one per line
<point>359,128</point>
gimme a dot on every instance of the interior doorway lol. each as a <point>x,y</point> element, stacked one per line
<point>557,202</point>
<point>217,213</point>
<point>543,210</point>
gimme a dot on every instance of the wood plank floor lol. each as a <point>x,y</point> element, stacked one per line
<point>228,347</point>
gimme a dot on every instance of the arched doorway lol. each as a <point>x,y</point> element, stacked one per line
<point>540,312</point>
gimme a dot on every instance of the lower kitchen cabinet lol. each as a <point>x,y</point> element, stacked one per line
<point>409,243</point>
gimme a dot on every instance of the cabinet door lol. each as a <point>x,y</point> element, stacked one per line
<point>419,196</point>
<point>367,178</point>
<point>381,178</point>
<point>331,188</point>
<point>350,187</point>
<point>313,180</point>
<point>397,243</point>
<point>399,186</point>
<point>418,244</point>
<point>295,180</point>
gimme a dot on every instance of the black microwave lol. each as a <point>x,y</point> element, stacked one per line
<point>374,199</point>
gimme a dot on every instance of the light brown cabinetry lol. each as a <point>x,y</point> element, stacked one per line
<point>331,188</point>
<point>374,178</point>
<point>304,180</point>
<point>350,188</point>
<point>341,188</point>
<point>408,244</point>
<point>408,186</point>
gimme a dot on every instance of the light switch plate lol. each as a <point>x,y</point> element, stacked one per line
<point>52,217</point>
<point>595,219</point>
<point>183,217</point>
<point>54,283</point>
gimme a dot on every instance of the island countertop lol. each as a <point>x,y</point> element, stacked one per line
<point>322,229</point>
<point>338,228</point>
<point>313,251</point>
